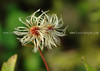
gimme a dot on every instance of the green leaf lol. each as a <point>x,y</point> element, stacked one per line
<point>88,67</point>
<point>10,64</point>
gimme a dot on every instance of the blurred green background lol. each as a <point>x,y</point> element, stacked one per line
<point>83,37</point>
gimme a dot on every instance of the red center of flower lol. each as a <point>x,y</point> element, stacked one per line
<point>34,30</point>
<point>50,28</point>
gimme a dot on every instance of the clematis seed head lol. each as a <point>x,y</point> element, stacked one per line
<point>42,31</point>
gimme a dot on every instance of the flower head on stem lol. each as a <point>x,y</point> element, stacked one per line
<point>42,31</point>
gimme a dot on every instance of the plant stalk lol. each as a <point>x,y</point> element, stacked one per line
<point>43,59</point>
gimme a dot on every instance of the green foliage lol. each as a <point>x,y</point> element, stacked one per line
<point>83,7</point>
<point>0,34</point>
<point>88,67</point>
<point>12,22</point>
<point>10,64</point>
<point>32,63</point>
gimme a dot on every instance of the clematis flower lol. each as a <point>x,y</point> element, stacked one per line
<point>42,31</point>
